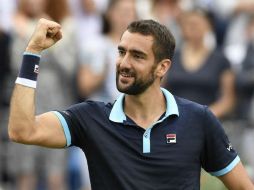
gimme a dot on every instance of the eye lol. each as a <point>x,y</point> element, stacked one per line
<point>137,56</point>
<point>121,52</point>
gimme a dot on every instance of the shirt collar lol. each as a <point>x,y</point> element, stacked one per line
<point>117,114</point>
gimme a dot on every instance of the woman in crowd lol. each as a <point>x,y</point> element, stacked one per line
<point>200,72</point>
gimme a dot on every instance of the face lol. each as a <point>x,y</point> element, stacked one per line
<point>121,14</point>
<point>33,8</point>
<point>88,6</point>
<point>194,27</point>
<point>135,67</point>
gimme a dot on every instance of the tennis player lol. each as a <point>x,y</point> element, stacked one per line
<point>147,139</point>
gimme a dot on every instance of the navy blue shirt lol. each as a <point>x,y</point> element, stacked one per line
<point>167,155</point>
<point>202,85</point>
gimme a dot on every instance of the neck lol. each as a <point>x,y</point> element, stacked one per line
<point>146,108</point>
<point>195,46</point>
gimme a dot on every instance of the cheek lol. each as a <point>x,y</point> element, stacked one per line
<point>118,61</point>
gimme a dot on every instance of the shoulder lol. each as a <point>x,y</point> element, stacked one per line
<point>197,115</point>
<point>185,105</point>
<point>192,112</point>
<point>218,54</point>
<point>90,107</point>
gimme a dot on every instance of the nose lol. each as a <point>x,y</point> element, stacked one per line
<point>124,62</point>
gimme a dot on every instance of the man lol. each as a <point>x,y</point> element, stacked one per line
<point>147,139</point>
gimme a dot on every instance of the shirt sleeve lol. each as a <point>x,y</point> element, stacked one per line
<point>218,156</point>
<point>65,126</point>
<point>71,125</point>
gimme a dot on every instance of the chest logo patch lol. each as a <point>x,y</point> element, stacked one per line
<point>171,138</point>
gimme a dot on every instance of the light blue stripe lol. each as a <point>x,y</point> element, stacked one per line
<point>147,134</point>
<point>146,145</point>
<point>33,54</point>
<point>65,128</point>
<point>117,114</point>
<point>172,108</point>
<point>146,140</point>
<point>228,168</point>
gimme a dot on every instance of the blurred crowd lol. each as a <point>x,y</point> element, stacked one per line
<point>213,65</point>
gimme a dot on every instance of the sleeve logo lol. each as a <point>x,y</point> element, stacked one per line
<point>36,69</point>
<point>229,147</point>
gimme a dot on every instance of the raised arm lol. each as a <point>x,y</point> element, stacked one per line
<point>24,127</point>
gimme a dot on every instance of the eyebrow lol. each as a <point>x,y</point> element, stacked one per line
<point>121,48</point>
<point>135,51</point>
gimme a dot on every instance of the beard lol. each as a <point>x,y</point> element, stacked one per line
<point>138,86</point>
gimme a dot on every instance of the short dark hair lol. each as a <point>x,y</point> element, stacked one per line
<point>164,42</point>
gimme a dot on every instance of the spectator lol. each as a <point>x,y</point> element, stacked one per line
<point>88,18</point>
<point>220,10</point>
<point>168,12</point>
<point>240,10</point>
<point>200,72</point>
<point>243,119</point>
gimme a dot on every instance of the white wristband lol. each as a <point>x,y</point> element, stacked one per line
<point>26,82</point>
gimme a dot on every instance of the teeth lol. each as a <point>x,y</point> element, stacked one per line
<point>125,75</point>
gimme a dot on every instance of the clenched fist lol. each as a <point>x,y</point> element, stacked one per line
<point>46,34</point>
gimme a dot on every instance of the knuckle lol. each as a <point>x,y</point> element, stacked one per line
<point>41,20</point>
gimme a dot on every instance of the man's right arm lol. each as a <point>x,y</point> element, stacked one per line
<point>24,127</point>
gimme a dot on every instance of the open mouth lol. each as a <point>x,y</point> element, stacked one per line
<point>126,75</point>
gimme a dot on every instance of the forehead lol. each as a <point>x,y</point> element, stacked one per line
<point>195,17</point>
<point>136,41</point>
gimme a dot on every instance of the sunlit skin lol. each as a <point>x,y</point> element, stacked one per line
<point>135,63</point>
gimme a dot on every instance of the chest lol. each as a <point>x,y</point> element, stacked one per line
<point>168,156</point>
<point>207,74</point>
<point>167,144</point>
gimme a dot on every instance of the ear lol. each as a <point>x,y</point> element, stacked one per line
<point>163,67</point>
